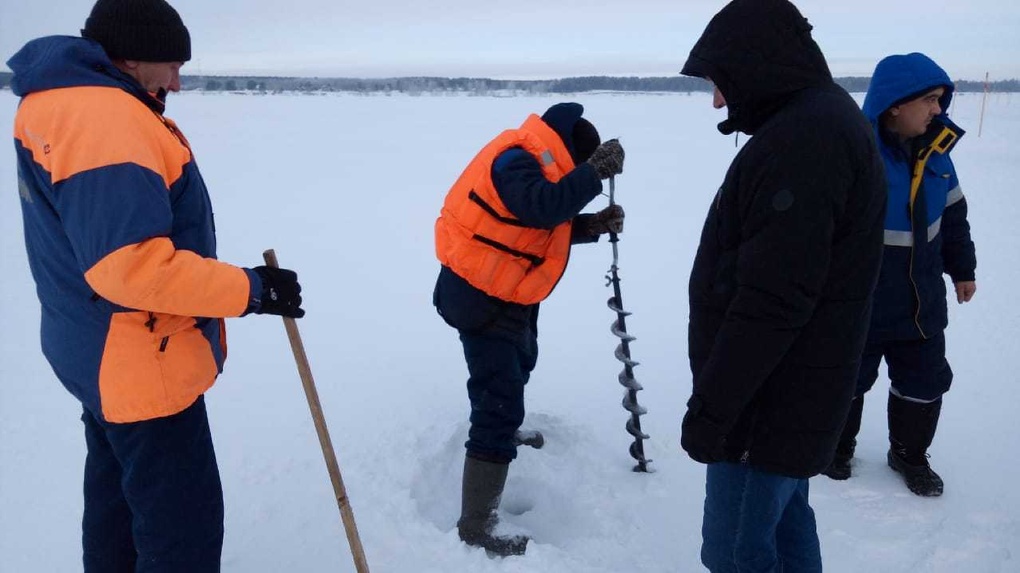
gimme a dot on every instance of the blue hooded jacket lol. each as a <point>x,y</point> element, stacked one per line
<point>927,235</point>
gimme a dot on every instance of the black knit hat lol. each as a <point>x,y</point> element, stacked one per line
<point>586,140</point>
<point>142,30</point>
<point>577,133</point>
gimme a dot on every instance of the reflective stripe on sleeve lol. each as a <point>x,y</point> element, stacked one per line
<point>906,238</point>
<point>955,195</point>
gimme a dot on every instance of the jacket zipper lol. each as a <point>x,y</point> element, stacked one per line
<point>917,295</point>
<point>913,251</point>
<point>151,323</point>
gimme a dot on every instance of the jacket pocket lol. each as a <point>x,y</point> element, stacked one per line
<point>153,365</point>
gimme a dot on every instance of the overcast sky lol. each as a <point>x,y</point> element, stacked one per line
<point>536,39</point>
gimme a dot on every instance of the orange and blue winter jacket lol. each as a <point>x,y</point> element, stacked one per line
<point>120,236</point>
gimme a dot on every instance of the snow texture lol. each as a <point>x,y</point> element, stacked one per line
<point>346,189</point>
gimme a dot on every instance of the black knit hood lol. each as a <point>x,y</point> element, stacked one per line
<point>758,53</point>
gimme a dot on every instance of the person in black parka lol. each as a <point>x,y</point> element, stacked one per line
<point>781,288</point>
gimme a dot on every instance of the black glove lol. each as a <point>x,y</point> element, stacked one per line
<point>281,293</point>
<point>702,438</point>
<point>607,159</point>
<point>608,220</point>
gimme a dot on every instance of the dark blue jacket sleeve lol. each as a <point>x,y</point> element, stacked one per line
<point>958,258</point>
<point>536,201</point>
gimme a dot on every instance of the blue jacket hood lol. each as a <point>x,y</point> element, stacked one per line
<point>55,62</point>
<point>900,76</point>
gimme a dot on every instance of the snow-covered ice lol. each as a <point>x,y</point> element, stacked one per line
<point>346,189</point>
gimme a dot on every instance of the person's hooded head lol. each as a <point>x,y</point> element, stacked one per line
<point>758,53</point>
<point>578,134</point>
<point>907,92</point>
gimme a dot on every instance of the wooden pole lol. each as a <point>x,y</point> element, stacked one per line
<point>305,370</point>
<point>984,98</point>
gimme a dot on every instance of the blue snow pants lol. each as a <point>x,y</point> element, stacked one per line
<point>918,369</point>
<point>500,358</point>
<point>153,500</point>
<point>757,522</point>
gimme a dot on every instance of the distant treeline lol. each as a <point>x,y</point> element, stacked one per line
<point>482,86</point>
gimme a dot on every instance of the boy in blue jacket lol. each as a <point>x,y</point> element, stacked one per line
<point>926,235</point>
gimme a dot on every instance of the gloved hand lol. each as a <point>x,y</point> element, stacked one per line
<point>701,437</point>
<point>607,159</point>
<point>608,220</point>
<point>281,293</point>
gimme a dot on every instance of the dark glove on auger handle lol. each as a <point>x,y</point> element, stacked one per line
<point>626,377</point>
<point>607,159</point>
<point>608,220</point>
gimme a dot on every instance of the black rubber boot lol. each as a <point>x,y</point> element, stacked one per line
<point>482,489</point>
<point>911,430</point>
<point>839,469</point>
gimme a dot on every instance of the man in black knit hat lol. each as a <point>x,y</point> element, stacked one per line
<point>121,244</point>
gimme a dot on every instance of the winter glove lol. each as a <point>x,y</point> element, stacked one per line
<point>281,293</point>
<point>701,437</point>
<point>607,159</point>
<point>608,220</point>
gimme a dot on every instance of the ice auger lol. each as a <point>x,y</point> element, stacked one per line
<point>626,377</point>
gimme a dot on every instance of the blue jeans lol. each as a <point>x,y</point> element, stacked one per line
<point>153,501</point>
<point>757,522</point>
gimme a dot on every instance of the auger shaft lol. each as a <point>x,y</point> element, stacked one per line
<point>626,377</point>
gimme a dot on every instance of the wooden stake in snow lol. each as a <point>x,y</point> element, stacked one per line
<point>305,371</point>
<point>984,98</point>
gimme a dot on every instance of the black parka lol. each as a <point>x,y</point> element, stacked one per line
<point>780,291</point>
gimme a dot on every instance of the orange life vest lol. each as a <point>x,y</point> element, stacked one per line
<point>478,238</point>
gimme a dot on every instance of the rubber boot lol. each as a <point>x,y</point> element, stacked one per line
<point>911,430</point>
<point>482,489</point>
<point>839,469</point>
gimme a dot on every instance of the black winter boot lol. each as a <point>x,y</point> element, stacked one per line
<point>911,430</point>
<point>839,469</point>
<point>482,489</point>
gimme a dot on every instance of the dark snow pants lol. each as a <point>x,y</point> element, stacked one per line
<point>153,501</point>
<point>918,369</point>
<point>757,522</point>
<point>500,358</point>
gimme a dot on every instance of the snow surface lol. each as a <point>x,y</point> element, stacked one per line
<point>346,189</point>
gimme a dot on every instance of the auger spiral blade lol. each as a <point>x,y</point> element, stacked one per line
<point>629,382</point>
<point>630,404</point>
<point>635,431</point>
<point>614,305</point>
<point>619,331</point>
<point>622,353</point>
